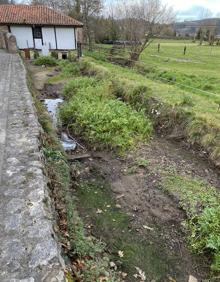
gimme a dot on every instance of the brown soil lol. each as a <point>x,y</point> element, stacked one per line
<point>139,194</point>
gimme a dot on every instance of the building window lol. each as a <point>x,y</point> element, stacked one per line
<point>37,32</point>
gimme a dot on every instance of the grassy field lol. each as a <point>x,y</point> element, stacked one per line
<point>199,60</point>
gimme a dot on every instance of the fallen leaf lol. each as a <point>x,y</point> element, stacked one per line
<point>121,254</point>
<point>147,227</point>
<point>120,196</point>
<point>99,211</point>
<point>141,274</point>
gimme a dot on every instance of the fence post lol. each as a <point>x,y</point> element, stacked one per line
<point>79,50</point>
<point>158,48</point>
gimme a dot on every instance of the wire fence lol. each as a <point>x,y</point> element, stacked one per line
<point>116,53</point>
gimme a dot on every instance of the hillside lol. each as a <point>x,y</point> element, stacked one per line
<point>191,27</point>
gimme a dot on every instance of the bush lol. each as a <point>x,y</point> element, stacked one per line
<point>45,60</point>
<point>108,122</point>
<point>54,54</point>
<point>91,69</point>
<point>129,91</point>
<point>69,68</point>
<point>74,85</point>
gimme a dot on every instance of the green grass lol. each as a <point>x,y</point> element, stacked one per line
<point>201,202</point>
<point>94,102</point>
<point>196,116</point>
<point>183,110</point>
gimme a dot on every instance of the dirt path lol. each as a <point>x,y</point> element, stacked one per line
<point>155,216</point>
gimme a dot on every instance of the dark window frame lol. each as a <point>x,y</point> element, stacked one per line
<point>37,32</point>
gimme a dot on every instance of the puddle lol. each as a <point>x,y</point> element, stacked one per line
<point>52,106</point>
<point>67,143</point>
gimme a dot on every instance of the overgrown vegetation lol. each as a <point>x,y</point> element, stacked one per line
<point>100,119</point>
<point>201,202</point>
<point>47,61</point>
<point>194,117</point>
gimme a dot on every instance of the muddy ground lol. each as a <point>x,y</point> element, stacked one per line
<point>155,216</point>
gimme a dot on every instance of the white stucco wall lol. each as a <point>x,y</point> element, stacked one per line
<point>49,37</point>
<point>24,36</point>
<point>38,43</point>
<point>65,38</point>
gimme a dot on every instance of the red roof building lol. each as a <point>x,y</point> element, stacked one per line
<point>40,26</point>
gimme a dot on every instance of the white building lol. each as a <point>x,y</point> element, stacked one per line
<point>39,27</point>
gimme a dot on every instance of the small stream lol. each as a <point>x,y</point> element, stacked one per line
<point>52,106</point>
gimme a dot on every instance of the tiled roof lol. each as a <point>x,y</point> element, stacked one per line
<point>42,15</point>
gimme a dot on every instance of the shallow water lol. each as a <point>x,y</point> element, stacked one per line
<point>52,106</point>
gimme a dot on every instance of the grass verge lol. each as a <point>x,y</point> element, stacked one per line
<point>201,202</point>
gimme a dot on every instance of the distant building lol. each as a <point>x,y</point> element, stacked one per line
<point>39,27</point>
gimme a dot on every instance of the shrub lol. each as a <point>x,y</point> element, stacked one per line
<point>74,85</point>
<point>54,54</point>
<point>91,69</point>
<point>130,91</point>
<point>45,60</point>
<point>69,68</point>
<point>108,122</point>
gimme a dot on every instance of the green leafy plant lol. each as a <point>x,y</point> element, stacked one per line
<point>46,61</point>
<point>108,122</point>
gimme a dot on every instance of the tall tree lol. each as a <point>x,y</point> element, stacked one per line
<point>140,21</point>
<point>90,9</point>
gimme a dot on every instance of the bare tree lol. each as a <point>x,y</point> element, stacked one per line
<point>141,21</point>
<point>89,10</point>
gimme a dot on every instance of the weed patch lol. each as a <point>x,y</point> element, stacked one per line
<point>103,120</point>
<point>201,202</point>
<point>46,61</point>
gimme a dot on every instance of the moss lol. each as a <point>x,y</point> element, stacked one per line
<point>113,226</point>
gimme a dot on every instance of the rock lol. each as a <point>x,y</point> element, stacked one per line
<point>192,279</point>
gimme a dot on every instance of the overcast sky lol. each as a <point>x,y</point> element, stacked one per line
<point>192,8</point>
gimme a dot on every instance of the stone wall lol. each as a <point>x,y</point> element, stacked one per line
<point>29,251</point>
<point>8,41</point>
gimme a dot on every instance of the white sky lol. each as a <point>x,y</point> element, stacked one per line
<point>213,5</point>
